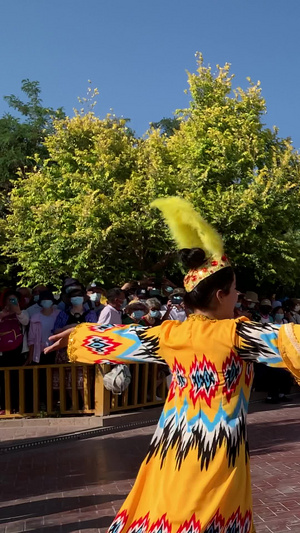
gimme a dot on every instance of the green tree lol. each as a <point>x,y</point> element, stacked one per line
<point>88,212</point>
<point>22,138</point>
<point>241,175</point>
<point>167,126</point>
<point>21,141</point>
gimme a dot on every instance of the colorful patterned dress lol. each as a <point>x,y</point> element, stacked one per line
<point>196,475</point>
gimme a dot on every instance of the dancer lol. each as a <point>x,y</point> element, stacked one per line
<point>196,475</point>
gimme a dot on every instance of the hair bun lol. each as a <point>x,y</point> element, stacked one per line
<point>192,257</point>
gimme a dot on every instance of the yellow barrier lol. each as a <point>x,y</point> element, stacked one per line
<point>68,389</point>
<point>46,389</point>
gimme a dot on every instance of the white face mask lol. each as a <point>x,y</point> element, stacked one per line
<point>95,297</point>
<point>252,305</point>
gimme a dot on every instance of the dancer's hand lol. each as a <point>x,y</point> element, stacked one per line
<point>59,341</point>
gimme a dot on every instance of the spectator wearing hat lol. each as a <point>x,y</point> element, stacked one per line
<point>175,308</point>
<point>141,294</point>
<point>96,294</point>
<point>35,307</point>
<point>153,317</point>
<point>134,313</point>
<point>265,309</point>
<point>250,305</point>
<point>276,303</point>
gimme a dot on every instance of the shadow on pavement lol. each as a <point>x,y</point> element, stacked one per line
<point>80,465</point>
<point>34,509</point>
<point>273,437</point>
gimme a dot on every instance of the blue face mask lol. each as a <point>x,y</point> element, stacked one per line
<point>238,305</point>
<point>138,314</point>
<point>154,313</point>
<point>77,300</point>
<point>279,317</point>
<point>46,304</point>
<point>36,298</point>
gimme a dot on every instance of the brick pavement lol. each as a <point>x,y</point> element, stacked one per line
<point>79,486</point>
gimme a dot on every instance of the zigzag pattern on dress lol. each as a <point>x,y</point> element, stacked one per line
<point>237,523</point>
<point>258,342</point>
<point>143,345</point>
<point>174,430</point>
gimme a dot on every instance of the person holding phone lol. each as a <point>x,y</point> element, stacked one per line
<point>13,343</point>
<point>12,318</point>
<point>175,308</point>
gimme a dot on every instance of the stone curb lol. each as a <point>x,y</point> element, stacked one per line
<point>78,435</point>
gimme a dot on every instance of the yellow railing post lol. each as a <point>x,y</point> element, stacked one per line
<point>7,391</point>
<point>49,389</point>
<point>21,391</point>
<point>74,388</point>
<point>35,390</point>
<point>102,396</point>
<point>62,389</point>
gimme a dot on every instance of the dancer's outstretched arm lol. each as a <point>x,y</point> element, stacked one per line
<point>95,343</point>
<point>275,346</point>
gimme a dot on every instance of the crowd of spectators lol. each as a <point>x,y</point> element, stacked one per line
<point>29,316</point>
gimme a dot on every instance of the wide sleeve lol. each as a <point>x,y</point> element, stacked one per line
<point>95,343</point>
<point>270,344</point>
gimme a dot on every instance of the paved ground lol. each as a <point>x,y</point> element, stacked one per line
<point>27,430</point>
<point>78,486</point>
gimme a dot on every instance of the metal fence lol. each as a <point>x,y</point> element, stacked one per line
<point>68,389</point>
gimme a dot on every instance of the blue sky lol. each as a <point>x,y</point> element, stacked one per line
<point>136,52</point>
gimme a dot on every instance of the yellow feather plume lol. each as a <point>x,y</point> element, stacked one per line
<point>187,227</point>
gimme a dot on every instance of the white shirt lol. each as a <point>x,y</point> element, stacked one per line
<point>110,315</point>
<point>175,313</point>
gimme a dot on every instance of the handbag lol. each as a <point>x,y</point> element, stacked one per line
<point>117,380</point>
<point>11,336</point>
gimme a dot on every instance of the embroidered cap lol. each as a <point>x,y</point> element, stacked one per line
<point>210,266</point>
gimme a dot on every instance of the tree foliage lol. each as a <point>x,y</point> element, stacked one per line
<point>22,138</point>
<point>88,212</point>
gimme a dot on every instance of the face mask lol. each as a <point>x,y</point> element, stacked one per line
<point>238,305</point>
<point>124,303</point>
<point>279,317</point>
<point>77,300</point>
<point>169,289</point>
<point>252,305</point>
<point>95,297</point>
<point>27,300</point>
<point>154,313</point>
<point>138,314</point>
<point>46,304</point>
<point>36,298</point>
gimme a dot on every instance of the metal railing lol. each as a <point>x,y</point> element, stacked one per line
<point>69,389</point>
